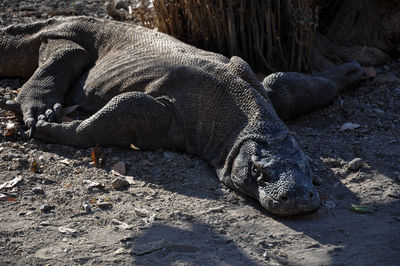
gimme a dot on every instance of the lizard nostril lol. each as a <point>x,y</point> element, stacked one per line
<point>311,195</point>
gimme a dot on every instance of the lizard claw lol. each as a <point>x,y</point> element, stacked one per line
<point>57,108</point>
<point>30,123</point>
<point>53,114</point>
<point>49,115</point>
<point>25,134</point>
<point>31,131</point>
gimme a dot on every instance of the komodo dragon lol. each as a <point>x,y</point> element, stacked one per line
<point>145,88</point>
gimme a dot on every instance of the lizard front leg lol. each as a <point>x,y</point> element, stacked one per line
<point>60,64</point>
<point>129,118</point>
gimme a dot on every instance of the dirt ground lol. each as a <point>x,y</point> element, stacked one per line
<point>174,211</point>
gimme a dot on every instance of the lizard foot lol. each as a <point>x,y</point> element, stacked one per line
<point>65,133</point>
<point>47,115</point>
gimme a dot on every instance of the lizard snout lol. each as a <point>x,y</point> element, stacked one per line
<point>292,200</point>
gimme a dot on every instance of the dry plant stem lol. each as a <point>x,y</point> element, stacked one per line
<point>270,35</point>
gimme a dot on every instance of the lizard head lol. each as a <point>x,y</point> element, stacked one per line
<point>278,175</point>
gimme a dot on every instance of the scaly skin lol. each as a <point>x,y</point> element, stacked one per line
<point>145,88</point>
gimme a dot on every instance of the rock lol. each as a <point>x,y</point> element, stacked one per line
<point>93,184</point>
<point>38,190</point>
<point>66,161</point>
<point>66,230</point>
<point>121,224</point>
<point>130,180</point>
<point>45,223</point>
<point>86,207</point>
<point>119,183</point>
<point>355,164</point>
<point>146,248</point>
<point>46,207</point>
<point>349,126</point>
<point>142,212</point>
<point>122,251</point>
<point>41,160</point>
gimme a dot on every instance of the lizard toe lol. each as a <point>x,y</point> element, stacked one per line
<point>57,108</point>
<point>50,115</point>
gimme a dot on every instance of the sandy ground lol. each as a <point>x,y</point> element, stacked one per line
<point>174,211</point>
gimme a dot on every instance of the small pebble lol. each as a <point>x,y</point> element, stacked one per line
<point>86,207</point>
<point>119,183</point>
<point>349,126</point>
<point>355,164</point>
<point>41,160</point>
<point>66,230</point>
<point>38,190</point>
<point>46,207</point>
<point>45,223</point>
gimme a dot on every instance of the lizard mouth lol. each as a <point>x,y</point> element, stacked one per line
<point>290,206</point>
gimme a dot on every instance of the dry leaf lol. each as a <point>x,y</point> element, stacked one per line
<point>11,129</point>
<point>11,183</point>
<point>4,197</point>
<point>362,208</point>
<point>103,204</point>
<point>10,114</point>
<point>96,154</point>
<point>34,166</point>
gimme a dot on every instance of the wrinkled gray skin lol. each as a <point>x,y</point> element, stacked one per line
<point>145,88</point>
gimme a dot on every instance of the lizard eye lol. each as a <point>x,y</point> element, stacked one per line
<point>259,175</point>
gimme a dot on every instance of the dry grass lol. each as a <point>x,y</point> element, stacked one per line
<point>273,35</point>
